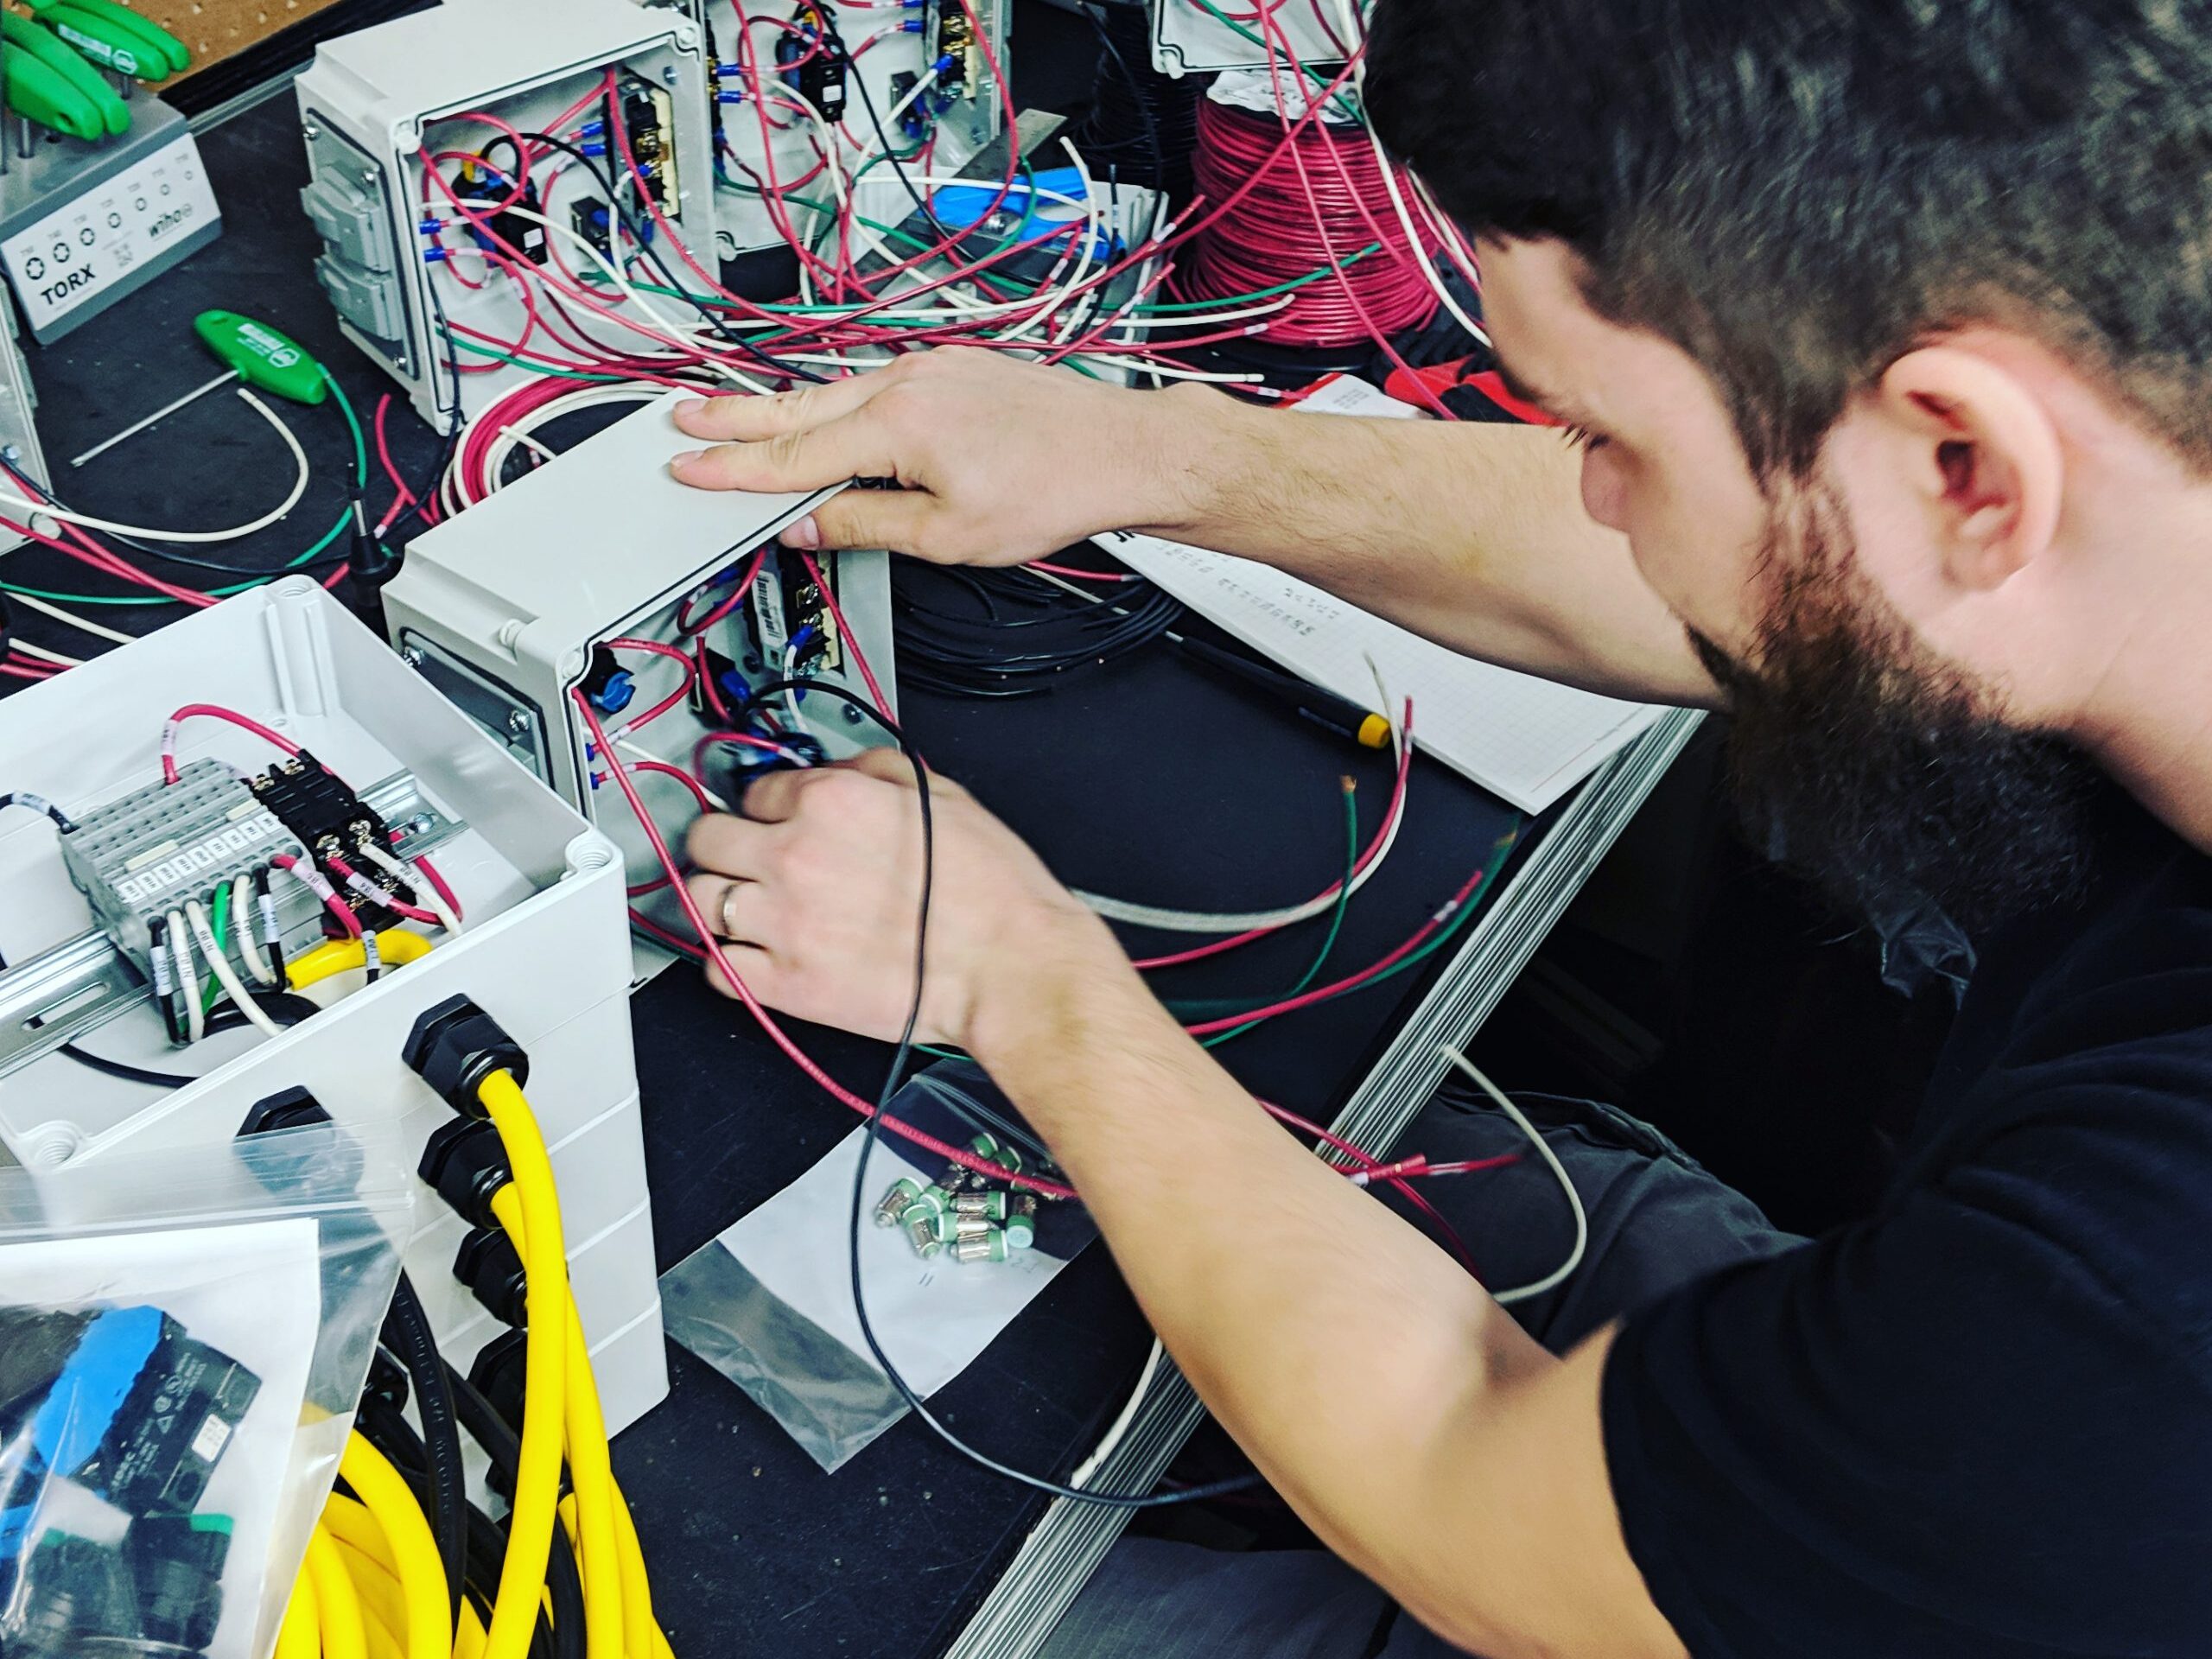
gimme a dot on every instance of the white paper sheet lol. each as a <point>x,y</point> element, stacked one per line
<point>933,1316</point>
<point>1526,740</point>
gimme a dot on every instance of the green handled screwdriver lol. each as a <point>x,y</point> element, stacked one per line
<point>115,37</point>
<point>256,354</point>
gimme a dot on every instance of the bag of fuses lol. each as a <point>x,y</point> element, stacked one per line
<point>947,1260</point>
<point>183,1336</point>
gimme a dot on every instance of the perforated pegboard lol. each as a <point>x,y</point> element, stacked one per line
<point>214,29</point>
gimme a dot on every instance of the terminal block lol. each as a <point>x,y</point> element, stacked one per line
<point>142,857</point>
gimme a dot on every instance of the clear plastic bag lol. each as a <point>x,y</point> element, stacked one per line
<point>183,1339</point>
<point>769,1303</point>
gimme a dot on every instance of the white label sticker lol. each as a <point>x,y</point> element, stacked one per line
<point>84,247</point>
<point>207,1445</point>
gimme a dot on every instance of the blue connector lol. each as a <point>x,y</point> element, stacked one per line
<point>911,26</point>
<point>431,226</point>
<point>593,128</point>
<point>599,149</point>
<point>616,693</point>
<point>943,64</point>
<point>730,96</point>
<point>435,255</point>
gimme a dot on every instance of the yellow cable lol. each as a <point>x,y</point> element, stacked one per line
<point>383,1606</point>
<point>639,1624</point>
<point>353,1525</point>
<point>300,1637</point>
<point>395,946</point>
<point>468,1641</point>
<point>545,1297</point>
<point>587,1428</point>
<point>422,1574</point>
<point>337,1606</point>
<point>608,1627</point>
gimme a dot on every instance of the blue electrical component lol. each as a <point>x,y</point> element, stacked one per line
<point>120,1401</point>
<point>1027,212</point>
<point>615,695</point>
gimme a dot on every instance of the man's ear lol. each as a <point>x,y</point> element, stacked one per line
<point>1983,461</point>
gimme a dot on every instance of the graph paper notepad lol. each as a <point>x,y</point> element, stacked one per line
<point>1528,740</point>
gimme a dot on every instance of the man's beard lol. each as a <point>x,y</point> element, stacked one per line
<point>1883,772</point>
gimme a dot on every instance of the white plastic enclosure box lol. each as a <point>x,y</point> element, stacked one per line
<point>544,948</point>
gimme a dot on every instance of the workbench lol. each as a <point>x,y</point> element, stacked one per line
<point>1149,779</point>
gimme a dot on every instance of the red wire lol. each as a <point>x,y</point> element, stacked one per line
<point>1351,983</point>
<point>1373,851</point>
<point>1270,236</point>
<point>405,496</point>
<point>430,875</point>
<point>1069,570</point>
<point>213,711</point>
<point>798,1056</point>
<point>859,661</point>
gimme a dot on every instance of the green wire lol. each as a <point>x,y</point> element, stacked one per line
<point>345,523</point>
<point>218,923</point>
<point>1340,96</point>
<point>1456,924</point>
<point>354,425</point>
<point>1336,915</point>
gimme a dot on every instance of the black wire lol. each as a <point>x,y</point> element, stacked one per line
<point>1028,634</point>
<point>283,1007</point>
<point>874,1127</point>
<point>1140,122</point>
<point>640,236</point>
<point>504,1447</point>
<point>407,1333</point>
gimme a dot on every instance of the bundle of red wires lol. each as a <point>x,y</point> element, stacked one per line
<point>1314,196</point>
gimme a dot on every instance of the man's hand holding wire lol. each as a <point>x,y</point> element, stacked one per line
<point>816,887</point>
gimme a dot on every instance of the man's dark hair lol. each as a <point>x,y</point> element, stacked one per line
<point>1797,192</point>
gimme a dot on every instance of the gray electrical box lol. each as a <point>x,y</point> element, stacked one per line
<point>508,609</point>
<point>378,105</point>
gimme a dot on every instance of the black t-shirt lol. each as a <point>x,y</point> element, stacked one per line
<point>1980,1421</point>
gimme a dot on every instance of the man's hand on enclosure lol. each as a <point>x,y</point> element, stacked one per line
<point>818,888</point>
<point>994,461</point>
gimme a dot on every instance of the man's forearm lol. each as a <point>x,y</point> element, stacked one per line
<point>1472,535</point>
<point>1343,1350</point>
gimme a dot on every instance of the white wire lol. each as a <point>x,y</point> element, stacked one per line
<point>224,974</point>
<point>82,624</point>
<point>242,918</point>
<point>195,1020</point>
<point>1560,1274</point>
<point>511,434</point>
<point>299,488</point>
<point>667,332</point>
<point>425,891</point>
<point>1115,1435</point>
<point>1353,31</point>
<point>791,696</point>
<point>644,753</point>
<point>1192,921</point>
<point>890,120</point>
<point>40,652</point>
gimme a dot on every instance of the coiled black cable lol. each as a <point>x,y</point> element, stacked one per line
<point>1141,126</point>
<point>1010,633</point>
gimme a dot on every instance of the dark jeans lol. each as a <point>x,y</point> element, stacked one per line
<point>1656,1220</point>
